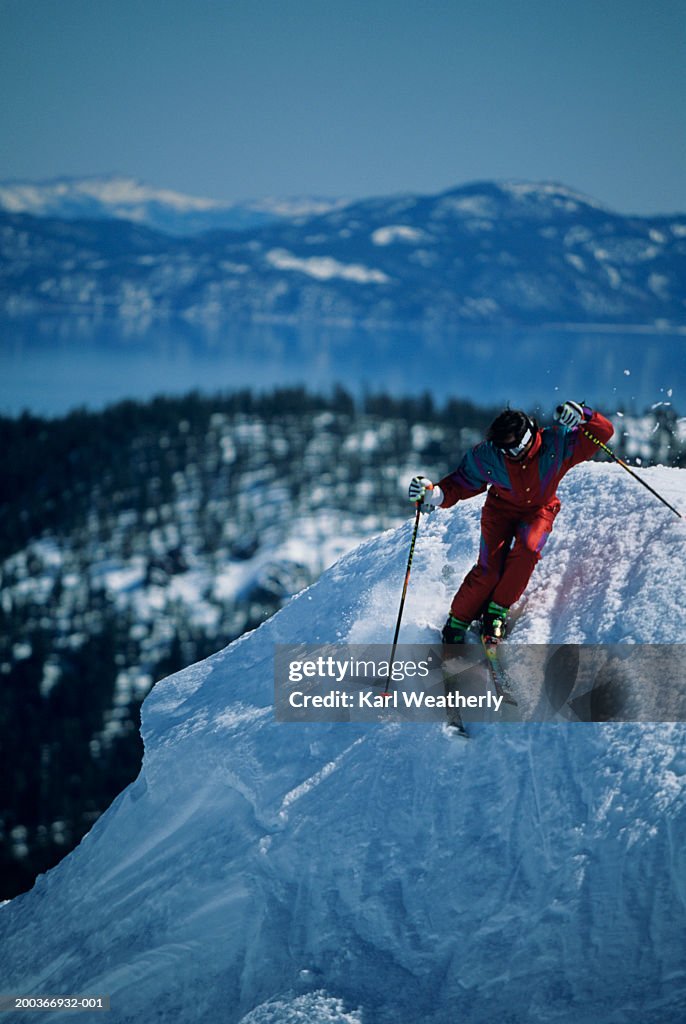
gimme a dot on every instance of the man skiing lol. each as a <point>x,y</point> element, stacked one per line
<point>521,465</point>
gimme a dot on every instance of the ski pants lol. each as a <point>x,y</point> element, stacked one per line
<point>511,545</point>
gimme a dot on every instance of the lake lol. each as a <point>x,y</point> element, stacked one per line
<point>50,367</point>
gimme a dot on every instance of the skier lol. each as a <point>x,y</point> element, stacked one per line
<point>521,464</point>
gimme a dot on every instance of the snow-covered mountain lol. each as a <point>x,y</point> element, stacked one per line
<point>125,198</point>
<point>508,254</point>
<point>270,873</point>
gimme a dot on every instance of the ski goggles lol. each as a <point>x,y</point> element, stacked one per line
<point>517,449</point>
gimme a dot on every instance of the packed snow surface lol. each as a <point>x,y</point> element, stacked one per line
<point>264,873</point>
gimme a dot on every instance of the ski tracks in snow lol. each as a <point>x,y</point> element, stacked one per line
<point>299,791</point>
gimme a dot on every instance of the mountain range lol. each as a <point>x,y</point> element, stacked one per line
<point>487,253</point>
<point>124,198</point>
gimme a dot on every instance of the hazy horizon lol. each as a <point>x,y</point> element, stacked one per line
<point>235,101</point>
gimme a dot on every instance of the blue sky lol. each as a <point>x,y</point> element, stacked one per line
<point>243,98</point>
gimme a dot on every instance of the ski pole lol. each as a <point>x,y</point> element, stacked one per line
<point>405,585</point>
<point>608,451</point>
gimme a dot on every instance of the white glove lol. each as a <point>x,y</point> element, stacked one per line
<point>570,414</point>
<point>422,490</point>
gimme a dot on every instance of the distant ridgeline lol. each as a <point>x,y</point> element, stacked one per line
<point>141,539</point>
<point>481,254</point>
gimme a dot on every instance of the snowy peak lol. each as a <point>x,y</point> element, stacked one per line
<point>259,873</point>
<point>117,193</point>
<point>125,198</point>
<point>547,197</point>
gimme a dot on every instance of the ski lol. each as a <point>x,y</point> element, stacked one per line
<point>455,725</point>
<point>457,728</point>
<point>499,676</point>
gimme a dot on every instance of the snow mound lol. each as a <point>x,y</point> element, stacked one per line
<point>258,873</point>
<point>317,1008</point>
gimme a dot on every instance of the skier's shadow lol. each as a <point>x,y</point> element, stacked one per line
<point>561,672</point>
<point>605,701</point>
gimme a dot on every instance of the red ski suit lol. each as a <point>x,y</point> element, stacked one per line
<point>519,511</point>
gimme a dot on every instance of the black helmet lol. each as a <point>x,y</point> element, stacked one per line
<point>511,431</point>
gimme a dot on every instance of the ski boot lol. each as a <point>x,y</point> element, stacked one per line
<point>494,623</point>
<point>454,630</point>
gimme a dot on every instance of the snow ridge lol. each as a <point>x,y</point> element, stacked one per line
<point>258,873</point>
